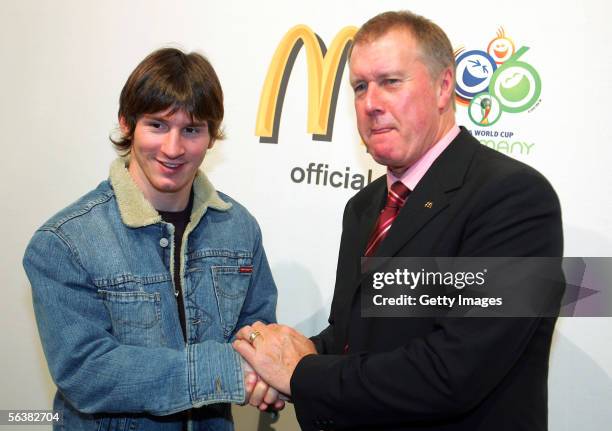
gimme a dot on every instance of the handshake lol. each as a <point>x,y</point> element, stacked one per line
<point>270,354</point>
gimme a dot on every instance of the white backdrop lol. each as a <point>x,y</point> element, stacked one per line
<point>63,66</point>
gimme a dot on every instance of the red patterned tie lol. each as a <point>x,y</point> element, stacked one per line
<point>395,201</point>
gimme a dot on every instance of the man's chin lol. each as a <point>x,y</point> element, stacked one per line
<point>382,147</point>
<point>383,158</point>
<point>169,188</point>
<point>392,163</point>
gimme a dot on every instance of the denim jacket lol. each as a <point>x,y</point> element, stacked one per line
<point>105,305</point>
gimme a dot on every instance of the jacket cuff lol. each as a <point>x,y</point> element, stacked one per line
<point>215,374</point>
<point>313,404</point>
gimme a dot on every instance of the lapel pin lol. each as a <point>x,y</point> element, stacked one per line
<point>428,204</point>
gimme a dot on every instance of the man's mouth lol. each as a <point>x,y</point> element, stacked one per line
<point>380,130</point>
<point>170,165</point>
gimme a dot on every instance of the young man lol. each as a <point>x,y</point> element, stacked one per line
<point>446,195</point>
<point>140,285</point>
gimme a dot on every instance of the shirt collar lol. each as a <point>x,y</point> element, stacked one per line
<point>137,211</point>
<point>414,173</point>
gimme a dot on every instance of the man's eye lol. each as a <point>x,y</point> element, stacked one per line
<point>194,130</point>
<point>155,125</point>
<point>391,81</point>
<point>358,88</point>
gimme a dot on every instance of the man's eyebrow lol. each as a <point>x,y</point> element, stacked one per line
<point>389,73</point>
<point>377,77</point>
<point>196,123</point>
<point>154,117</point>
<point>355,81</point>
<point>163,118</point>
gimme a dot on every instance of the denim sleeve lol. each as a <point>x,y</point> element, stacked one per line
<point>92,369</point>
<point>260,301</point>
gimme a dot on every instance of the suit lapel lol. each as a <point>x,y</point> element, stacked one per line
<point>431,195</point>
<point>370,215</point>
<point>364,215</point>
<point>421,206</point>
<point>429,198</point>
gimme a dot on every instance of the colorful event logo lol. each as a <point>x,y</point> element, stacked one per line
<point>494,81</point>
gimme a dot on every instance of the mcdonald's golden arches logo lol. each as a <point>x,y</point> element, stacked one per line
<point>325,68</point>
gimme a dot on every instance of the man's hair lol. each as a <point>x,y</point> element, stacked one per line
<point>436,49</point>
<point>170,79</point>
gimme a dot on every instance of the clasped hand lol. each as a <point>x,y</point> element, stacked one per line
<point>272,351</point>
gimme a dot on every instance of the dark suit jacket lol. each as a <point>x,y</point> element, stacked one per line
<point>437,373</point>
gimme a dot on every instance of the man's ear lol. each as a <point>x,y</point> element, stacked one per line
<point>125,130</point>
<point>446,87</point>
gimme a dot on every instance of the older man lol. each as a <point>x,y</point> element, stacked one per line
<point>444,195</point>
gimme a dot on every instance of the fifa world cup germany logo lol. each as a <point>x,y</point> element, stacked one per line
<point>485,106</point>
<point>495,81</point>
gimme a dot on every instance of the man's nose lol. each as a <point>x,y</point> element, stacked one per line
<point>172,147</point>
<point>373,102</point>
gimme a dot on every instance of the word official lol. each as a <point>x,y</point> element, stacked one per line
<point>319,174</point>
<point>447,301</point>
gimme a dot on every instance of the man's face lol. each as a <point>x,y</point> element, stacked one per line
<point>399,106</point>
<point>167,150</point>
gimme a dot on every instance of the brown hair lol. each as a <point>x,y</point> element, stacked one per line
<point>436,49</point>
<point>169,78</point>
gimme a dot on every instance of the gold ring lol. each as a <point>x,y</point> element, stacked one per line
<point>253,335</point>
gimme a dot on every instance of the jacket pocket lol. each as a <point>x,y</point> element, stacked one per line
<point>231,284</point>
<point>135,317</point>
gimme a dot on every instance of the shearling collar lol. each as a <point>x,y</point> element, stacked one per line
<point>136,211</point>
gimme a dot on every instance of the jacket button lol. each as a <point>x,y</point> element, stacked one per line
<point>164,242</point>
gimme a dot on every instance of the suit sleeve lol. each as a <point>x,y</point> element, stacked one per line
<point>453,368</point>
